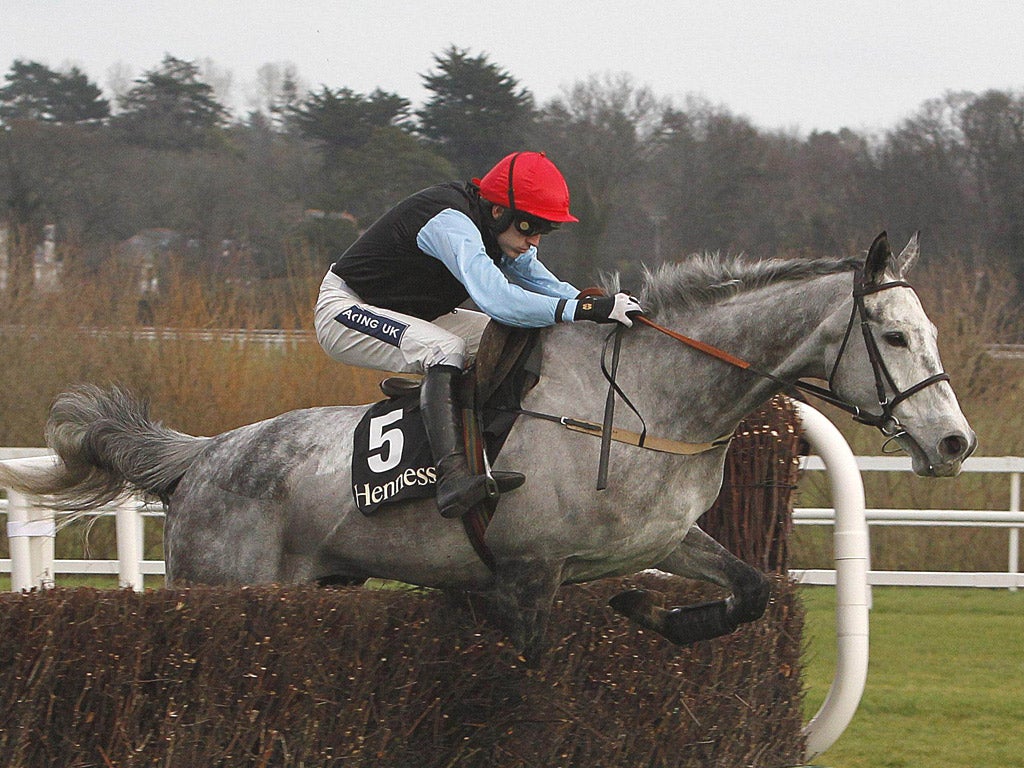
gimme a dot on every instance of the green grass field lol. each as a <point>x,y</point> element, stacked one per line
<point>945,682</point>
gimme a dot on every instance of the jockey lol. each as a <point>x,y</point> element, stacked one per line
<point>392,300</point>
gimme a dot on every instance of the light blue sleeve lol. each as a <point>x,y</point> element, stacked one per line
<point>452,238</point>
<point>528,271</point>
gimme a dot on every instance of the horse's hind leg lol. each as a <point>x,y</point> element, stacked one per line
<point>220,538</point>
<point>700,557</point>
<point>521,602</point>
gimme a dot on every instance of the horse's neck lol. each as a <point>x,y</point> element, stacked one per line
<point>786,329</point>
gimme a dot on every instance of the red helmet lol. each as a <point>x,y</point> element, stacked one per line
<point>527,182</point>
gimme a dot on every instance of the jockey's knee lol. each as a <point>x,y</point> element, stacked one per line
<point>444,349</point>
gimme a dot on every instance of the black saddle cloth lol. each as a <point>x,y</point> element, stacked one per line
<point>391,459</point>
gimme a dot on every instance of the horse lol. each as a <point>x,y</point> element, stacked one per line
<point>272,502</point>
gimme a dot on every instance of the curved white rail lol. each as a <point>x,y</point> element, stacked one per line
<point>851,561</point>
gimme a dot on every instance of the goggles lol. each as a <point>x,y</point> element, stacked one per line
<point>531,225</point>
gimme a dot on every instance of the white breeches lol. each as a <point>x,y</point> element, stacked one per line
<point>361,334</point>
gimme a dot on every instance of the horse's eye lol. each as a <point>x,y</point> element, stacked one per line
<point>895,339</point>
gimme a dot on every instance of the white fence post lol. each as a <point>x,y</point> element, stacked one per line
<point>128,522</point>
<point>1014,559</point>
<point>30,534</point>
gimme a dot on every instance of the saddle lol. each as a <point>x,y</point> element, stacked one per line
<point>391,459</point>
<point>506,367</point>
<point>503,352</point>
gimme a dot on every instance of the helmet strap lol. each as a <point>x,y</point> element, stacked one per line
<point>511,189</point>
<point>504,221</point>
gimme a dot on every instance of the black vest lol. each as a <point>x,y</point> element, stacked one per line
<point>386,267</point>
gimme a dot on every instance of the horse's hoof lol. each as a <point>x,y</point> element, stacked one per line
<point>641,605</point>
<point>694,623</point>
<point>750,604</point>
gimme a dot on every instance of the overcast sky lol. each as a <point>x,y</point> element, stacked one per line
<point>799,64</point>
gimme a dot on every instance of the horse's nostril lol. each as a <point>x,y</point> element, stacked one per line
<point>953,446</point>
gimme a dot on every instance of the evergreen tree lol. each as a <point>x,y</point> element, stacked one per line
<point>36,92</point>
<point>477,114</point>
<point>343,120</point>
<point>171,108</point>
<point>370,159</point>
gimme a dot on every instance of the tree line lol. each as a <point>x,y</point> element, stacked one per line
<point>651,179</point>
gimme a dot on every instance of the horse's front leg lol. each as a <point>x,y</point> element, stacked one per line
<point>700,557</point>
<point>521,602</point>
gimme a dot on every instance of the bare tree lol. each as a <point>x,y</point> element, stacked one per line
<point>600,133</point>
<point>120,79</point>
<point>218,78</point>
<point>993,127</point>
<point>278,89</point>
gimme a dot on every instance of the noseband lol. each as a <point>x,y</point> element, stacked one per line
<point>886,421</point>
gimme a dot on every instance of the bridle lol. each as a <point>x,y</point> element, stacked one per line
<point>886,421</point>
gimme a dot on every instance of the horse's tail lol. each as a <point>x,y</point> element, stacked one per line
<point>107,445</point>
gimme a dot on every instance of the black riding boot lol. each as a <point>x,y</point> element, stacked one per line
<point>458,489</point>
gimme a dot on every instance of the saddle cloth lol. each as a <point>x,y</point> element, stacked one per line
<point>391,458</point>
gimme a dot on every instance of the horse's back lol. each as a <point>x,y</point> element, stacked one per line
<point>256,459</point>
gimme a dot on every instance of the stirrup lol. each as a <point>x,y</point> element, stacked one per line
<point>455,502</point>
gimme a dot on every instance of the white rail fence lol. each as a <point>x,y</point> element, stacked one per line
<point>1012,520</point>
<point>270,338</point>
<point>31,532</point>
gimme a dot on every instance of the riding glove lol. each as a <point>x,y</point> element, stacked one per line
<point>620,308</point>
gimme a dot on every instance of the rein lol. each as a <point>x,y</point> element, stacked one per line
<point>609,408</point>
<point>886,421</point>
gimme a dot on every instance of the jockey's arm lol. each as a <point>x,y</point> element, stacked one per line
<point>529,272</point>
<point>452,238</point>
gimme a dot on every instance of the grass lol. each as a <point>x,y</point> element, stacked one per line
<point>94,581</point>
<point>945,682</point>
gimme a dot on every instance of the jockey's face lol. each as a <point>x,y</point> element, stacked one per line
<point>512,242</point>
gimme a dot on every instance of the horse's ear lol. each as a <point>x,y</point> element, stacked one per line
<point>879,257</point>
<point>906,259</point>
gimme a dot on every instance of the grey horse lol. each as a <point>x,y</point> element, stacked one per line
<point>272,502</point>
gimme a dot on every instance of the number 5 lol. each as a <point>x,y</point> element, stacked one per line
<point>392,440</point>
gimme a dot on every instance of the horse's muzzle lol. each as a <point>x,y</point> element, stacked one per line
<point>947,458</point>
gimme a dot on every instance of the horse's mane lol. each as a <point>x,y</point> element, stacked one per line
<point>703,279</point>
